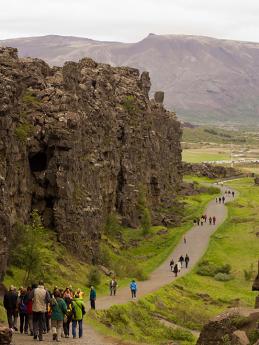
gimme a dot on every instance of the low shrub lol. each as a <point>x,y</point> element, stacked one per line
<point>207,268</point>
<point>223,277</point>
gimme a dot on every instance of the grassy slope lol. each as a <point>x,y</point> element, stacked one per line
<point>193,299</point>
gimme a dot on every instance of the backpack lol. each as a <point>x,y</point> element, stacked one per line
<point>23,307</point>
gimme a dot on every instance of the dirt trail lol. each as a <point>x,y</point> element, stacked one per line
<point>197,240</point>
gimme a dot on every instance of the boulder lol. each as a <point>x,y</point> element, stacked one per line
<point>159,97</point>
<point>5,336</point>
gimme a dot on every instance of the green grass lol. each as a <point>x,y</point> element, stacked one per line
<point>192,300</point>
<point>203,155</point>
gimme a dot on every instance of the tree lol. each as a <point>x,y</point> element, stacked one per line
<point>30,253</point>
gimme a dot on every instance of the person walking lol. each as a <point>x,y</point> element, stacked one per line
<point>205,218</point>
<point>172,265</point>
<point>59,310</point>
<point>175,270</point>
<point>133,289</point>
<point>219,200</point>
<point>198,222</point>
<point>79,312</point>
<point>29,311</point>
<point>216,200</point>
<point>22,303</point>
<point>113,287</point>
<point>223,200</point>
<point>181,259</point>
<point>10,305</point>
<point>186,259</point>
<point>40,298</point>
<point>233,194</point>
<point>210,220</point>
<point>179,265</point>
<point>92,297</point>
<point>214,220</point>
<point>69,314</point>
<point>184,240</point>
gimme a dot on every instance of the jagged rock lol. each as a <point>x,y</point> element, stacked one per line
<point>5,336</point>
<point>79,142</point>
<point>230,328</point>
<point>208,170</point>
<point>241,337</point>
<point>159,97</point>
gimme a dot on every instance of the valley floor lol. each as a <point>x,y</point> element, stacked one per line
<point>197,240</point>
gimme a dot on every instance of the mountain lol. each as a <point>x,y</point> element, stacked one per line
<point>206,80</point>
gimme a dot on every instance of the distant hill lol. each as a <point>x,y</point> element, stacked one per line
<point>206,80</point>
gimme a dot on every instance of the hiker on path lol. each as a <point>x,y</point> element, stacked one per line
<point>40,298</point>
<point>233,194</point>
<point>216,200</point>
<point>113,287</point>
<point>68,296</point>
<point>175,270</point>
<point>172,265</point>
<point>198,222</point>
<point>79,312</point>
<point>184,240</point>
<point>181,259</point>
<point>29,311</point>
<point>210,220</point>
<point>10,304</point>
<point>22,303</point>
<point>223,200</point>
<point>92,297</point>
<point>187,259</point>
<point>194,221</point>
<point>59,310</point>
<point>220,200</point>
<point>179,265</point>
<point>133,289</point>
<point>205,218</point>
<point>214,220</point>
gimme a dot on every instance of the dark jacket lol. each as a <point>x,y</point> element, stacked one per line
<point>92,294</point>
<point>10,300</point>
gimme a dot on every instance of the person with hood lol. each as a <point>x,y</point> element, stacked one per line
<point>79,312</point>
<point>10,305</point>
<point>133,289</point>
<point>186,259</point>
<point>40,298</point>
<point>92,297</point>
<point>59,310</point>
<point>22,304</point>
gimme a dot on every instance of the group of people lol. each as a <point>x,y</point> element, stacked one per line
<point>114,286</point>
<point>177,266</point>
<point>40,309</point>
<point>203,219</point>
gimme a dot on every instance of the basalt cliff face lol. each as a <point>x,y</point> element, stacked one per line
<point>78,143</point>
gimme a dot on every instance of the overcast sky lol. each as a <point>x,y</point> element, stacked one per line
<point>130,20</point>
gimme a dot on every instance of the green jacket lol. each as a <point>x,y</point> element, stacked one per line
<point>78,305</point>
<point>59,309</point>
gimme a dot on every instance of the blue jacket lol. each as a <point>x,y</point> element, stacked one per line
<point>133,286</point>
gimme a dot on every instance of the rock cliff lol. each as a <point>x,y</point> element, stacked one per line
<point>78,143</point>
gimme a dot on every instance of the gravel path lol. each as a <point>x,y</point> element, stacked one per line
<point>197,240</point>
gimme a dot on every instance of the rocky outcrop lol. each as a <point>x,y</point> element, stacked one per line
<point>78,143</point>
<point>233,328</point>
<point>5,336</point>
<point>208,170</point>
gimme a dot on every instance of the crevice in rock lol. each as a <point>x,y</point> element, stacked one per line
<point>38,161</point>
<point>121,181</point>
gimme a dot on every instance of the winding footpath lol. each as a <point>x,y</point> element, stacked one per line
<point>197,241</point>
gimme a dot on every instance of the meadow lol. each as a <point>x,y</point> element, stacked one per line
<point>190,301</point>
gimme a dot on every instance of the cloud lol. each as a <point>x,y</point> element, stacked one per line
<point>130,20</point>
